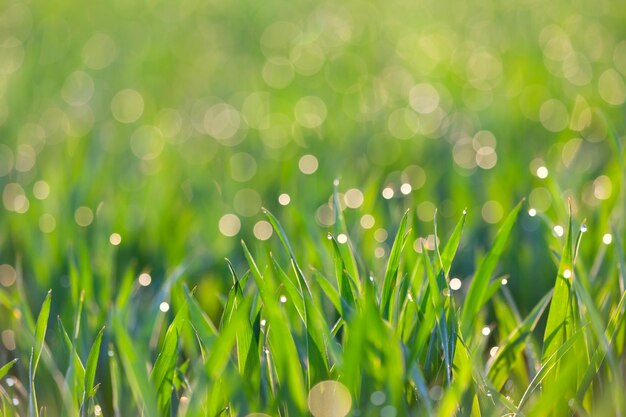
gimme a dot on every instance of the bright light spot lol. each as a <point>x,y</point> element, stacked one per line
<point>388,193</point>
<point>164,307</point>
<point>486,331</point>
<point>567,273</point>
<point>10,381</point>
<point>243,167</point>
<point>310,112</point>
<point>583,227</point>
<point>353,198</point>
<point>229,225</point>
<point>308,164</point>
<point>329,399</point>
<point>607,239</point>
<point>532,212</point>
<point>78,88</point>
<point>493,351</point>
<point>558,230</point>
<point>406,188</point>
<point>504,281</point>
<point>424,98</point>
<point>47,223</point>
<point>284,199</point>
<point>41,190</point>
<point>455,284</point>
<point>127,106</point>
<point>602,187</point>
<point>83,216</point>
<point>263,322</point>
<point>144,279</point>
<point>14,198</point>
<point>378,398</point>
<point>99,51</point>
<point>379,252</point>
<point>426,211</point>
<point>367,221</point>
<point>542,172</point>
<point>97,410</point>
<point>435,393</point>
<point>8,339</point>
<point>147,143</point>
<point>16,401</point>
<point>380,235</point>
<point>115,239</point>
<point>486,157</point>
<point>342,238</point>
<point>262,230</point>
<point>492,212</point>
<point>388,411</point>
<point>283,299</point>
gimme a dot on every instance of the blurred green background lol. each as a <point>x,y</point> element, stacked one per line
<point>143,136</point>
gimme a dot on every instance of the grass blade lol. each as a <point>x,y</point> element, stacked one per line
<point>6,368</point>
<point>487,266</point>
<point>92,364</point>
<point>393,265</point>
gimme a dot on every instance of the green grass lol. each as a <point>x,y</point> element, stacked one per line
<point>373,156</point>
<point>401,342</point>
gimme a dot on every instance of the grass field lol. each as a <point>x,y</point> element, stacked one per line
<point>312,208</point>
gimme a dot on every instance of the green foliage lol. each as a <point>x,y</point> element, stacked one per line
<point>367,153</point>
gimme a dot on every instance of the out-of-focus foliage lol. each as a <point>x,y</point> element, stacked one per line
<point>139,142</point>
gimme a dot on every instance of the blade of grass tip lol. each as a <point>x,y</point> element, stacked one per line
<point>561,321</point>
<point>498,368</point>
<point>162,376</point>
<point>343,281</point>
<point>116,389</point>
<point>92,364</point>
<point>487,266</point>
<point>393,265</point>
<point>244,337</point>
<point>436,291</point>
<point>6,368</point>
<point>75,374</point>
<point>331,292</point>
<point>451,246</point>
<point>282,345</point>
<point>316,329</point>
<point>340,227</point>
<point>598,356</point>
<point>135,371</point>
<point>205,330</point>
<point>548,366</point>
<point>40,334</point>
<point>283,238</point>
<point>40,331</point>
<point>293,293</point>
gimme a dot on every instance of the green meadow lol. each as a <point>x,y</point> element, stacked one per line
<point>326,209</point>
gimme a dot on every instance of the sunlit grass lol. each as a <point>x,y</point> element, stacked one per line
<point>142,142</point>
